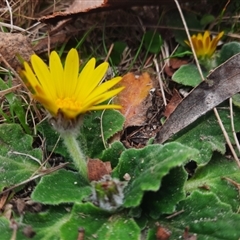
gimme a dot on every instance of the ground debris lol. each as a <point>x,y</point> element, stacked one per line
<point>13,45</point>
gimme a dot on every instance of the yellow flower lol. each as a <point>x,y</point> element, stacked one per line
<point>63,89</point>
<point>204,45</point>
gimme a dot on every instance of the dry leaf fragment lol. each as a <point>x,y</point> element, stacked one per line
<point>175,100</point>
<point>135,98</point>
<point>174,64</point>
<point>83,6</point>
<point>97,169</point>
<point>13,44</point>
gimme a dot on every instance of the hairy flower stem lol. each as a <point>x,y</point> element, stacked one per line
<point>76,153</point>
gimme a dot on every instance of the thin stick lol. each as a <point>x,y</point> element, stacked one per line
<point>160,81</point>
<point>232,124</point>
<point>10,14</point>
<point>12,89</point>
<point>189,39</point>
<point>9,66</point>
<point>226,137</point>
<point>109,52</point>
<point>43,173</point>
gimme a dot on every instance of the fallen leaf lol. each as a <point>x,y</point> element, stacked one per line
<point>135,98</point>
<point>97,169</point>
<point>174,64</point>
<point>79,7</point>
<point>13,44</point>
<point>220,85</point>
<point>175,100</point>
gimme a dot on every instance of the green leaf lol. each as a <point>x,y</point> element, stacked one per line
<point>206,136</point>
<point>111,122</point>
<point>187,75</point>
<point>18,160</point>
<point>117,51</point>
<point>90,139</point>
<point>164,201</point>
<point>206,216</point>
<point>61,187</point>
<point>119,227</point>
<point>5,230</point>
<point>236,99</point>
<point>52,139</point>
<point>227,51</point>
<point>99,224</point>
<point>148,166</point>
<point>206,19</point>
<point>210,178</point>
<point>16,107</point>
<point>174,22</point>
<point>45,224</point>
<point>152,41</point>
<point>113,153</point>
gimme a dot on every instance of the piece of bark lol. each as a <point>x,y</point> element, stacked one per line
<point>220,85</point>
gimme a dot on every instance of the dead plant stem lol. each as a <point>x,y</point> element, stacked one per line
<point>160,81</point>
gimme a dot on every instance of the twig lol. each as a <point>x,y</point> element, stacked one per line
<point>26,155</point>
<point>10,14</point>
<point>232,125</point>
<point>12,27</point>
<point>9,66</point>
<point>189,39</point>
<point>12,89</point>
<point>109,52</point>
<point>160,81</point>
<point>43,173</point>
<point>175,214</point>
<point>226,137</point>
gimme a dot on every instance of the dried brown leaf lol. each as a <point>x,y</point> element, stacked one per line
<point>174,64</point>
<point>83,6</point>
<point>175,100</point>
<point>135,98</point>
<point>97,169</point>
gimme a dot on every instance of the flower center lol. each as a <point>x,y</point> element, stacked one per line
<point>68,103</point>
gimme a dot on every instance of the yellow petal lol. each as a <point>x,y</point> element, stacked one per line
<point>103,88</point>
<point>30,79</point>
<point>102,107</point>
<point>56,71</point>
<point>85,78</point>
<point>47,103</point>
<point>101,98</point>
<point>96,78</point>
<point>206,42</point>
<point>70,74</point>
<point>42,72</point>
<point>215,42</point>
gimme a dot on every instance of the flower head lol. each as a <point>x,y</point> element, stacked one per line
<point>204,45</point>
<point>63,89</point>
